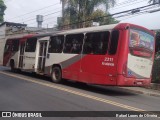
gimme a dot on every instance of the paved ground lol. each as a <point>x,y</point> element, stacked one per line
<point>145,91</point>
<point>24,92</point>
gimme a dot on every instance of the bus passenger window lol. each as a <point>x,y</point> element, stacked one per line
<point>7,47</point>
<point>31,45</point>
<point>73,44</point>
<point>96,43</point>
<point>113,42</point>
<point>56,44</point>
<point>15,45</point>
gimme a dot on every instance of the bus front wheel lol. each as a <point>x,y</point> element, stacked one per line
<point>56,75</point>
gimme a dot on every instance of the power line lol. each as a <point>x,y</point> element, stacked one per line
<point>46,20</point>
<point>143,12</point>
<point>95,18</point>
<point>31,18</point>
<point>103,16</point>
<point>54,5</point>
<point>35,11</point>
<point>43,13</point>
<point>130,3</point>
<point>131,12</point>
<point>48,15</point>
<point>113,14</point>
<point>43,16</point>
<point>146,7</point>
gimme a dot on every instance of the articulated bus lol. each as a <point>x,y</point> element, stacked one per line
<point>118,55</point>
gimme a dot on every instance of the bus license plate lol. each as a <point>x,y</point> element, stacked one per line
<point>139,83</point>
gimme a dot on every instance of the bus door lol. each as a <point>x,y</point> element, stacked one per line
<point>96,64</point>
<point>29,57</point>
<point>42,55</point>
<point>21,56</point>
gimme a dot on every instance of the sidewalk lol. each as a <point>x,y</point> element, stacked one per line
<point>152,90</point>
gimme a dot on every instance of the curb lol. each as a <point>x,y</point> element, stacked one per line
<point>154,86</point>
<point>142,92</point>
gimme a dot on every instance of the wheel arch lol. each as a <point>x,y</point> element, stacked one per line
<point>12,62</point>
<point>53,73</point>
<point>56,65</point>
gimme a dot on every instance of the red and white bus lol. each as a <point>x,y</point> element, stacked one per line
<point>118,55</point>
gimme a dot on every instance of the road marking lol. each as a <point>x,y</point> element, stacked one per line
<point>75,92</point>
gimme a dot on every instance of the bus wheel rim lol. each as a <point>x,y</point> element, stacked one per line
<point>55,75</point>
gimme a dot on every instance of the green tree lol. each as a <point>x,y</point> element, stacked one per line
<point>64,2</point>
<point>2,9</point>
<point>101,19</point>
<point>75,11</point>
<point>157,42</point>
<point>156,65</point>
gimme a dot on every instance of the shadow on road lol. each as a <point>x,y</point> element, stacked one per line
<point>105,90</point>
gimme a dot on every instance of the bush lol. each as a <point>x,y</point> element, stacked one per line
<point>156,69</point>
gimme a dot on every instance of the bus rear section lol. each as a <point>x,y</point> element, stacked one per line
<point>14,52</point>
<point>104,55</point>
<point>10,57</point>
<point>136,70</point>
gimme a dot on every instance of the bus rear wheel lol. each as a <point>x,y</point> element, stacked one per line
<point>56,75</point>
<point>12,66</point>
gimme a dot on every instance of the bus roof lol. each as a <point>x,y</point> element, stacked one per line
<point>80,30</point>
<point>20,36</point>
<point>90,29</point>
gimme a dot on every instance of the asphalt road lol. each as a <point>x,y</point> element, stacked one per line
<point>27,92</point>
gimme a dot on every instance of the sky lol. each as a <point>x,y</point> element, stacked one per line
<point>25,11</point>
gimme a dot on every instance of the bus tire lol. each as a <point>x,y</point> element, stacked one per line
<point>56,75</point>
<point>12,65</point>
<point>18,70</point>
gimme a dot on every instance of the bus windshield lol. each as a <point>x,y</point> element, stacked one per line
<point>141,43</point>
